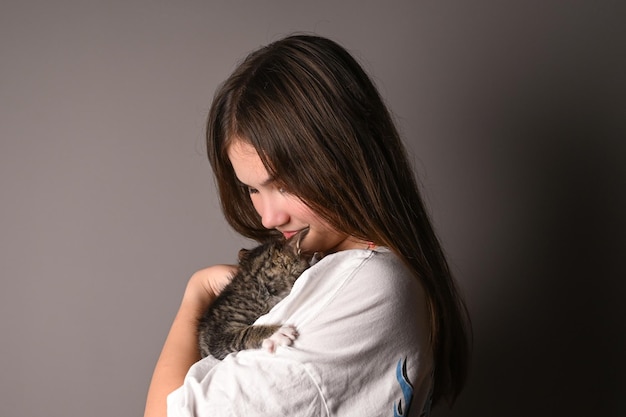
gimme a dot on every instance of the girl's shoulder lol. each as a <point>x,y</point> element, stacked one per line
<point>353,281</point>
<point>380,268</point>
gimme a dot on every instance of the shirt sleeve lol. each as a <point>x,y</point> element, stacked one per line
<point>247,385</point>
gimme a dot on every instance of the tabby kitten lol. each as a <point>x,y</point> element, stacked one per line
<point>265,276</point>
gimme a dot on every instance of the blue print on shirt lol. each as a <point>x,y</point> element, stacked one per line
<point>400,410</point>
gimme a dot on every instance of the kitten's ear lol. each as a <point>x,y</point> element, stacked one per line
<point>295,241</point>
<point>242,254</point>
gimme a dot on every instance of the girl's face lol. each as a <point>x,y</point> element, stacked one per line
<point>281,210</point>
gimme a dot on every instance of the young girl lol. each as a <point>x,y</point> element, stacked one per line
<point>298,137</point>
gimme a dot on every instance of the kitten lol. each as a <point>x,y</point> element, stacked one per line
<point>265,276</point>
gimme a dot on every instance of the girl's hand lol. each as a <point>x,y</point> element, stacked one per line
<point>205,285</point>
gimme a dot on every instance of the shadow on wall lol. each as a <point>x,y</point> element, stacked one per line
<point>555,345</point>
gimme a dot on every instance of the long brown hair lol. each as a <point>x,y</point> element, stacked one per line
<point>321,128</point>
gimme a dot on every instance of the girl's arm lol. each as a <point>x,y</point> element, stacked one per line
<point>180,350</point>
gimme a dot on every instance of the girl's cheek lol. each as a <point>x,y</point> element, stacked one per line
<point>257,205</point>
<point>301,210</point>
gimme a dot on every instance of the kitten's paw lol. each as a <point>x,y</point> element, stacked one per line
<point>284,336</point>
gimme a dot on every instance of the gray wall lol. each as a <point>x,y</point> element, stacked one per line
<point>513,112</point>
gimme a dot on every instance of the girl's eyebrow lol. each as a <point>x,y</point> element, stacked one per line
<point>268,181</point>
<point>263,183</point>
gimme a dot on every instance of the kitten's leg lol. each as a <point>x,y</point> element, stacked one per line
<point>284,336</point>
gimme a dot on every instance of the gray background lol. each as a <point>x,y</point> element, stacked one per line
<point>514,115</point>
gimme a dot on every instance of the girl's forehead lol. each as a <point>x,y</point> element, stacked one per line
<point>240,147</point>
<point>247,164</point>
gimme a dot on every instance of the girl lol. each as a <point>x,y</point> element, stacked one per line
<point>299,137</point>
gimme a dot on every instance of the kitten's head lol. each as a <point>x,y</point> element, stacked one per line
<point>277,258</point>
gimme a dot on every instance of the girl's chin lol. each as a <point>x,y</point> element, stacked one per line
<point>322,244</point>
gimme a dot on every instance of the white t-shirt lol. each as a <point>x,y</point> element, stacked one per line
<point>362,349</point>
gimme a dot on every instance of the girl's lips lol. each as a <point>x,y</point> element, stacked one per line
<point>289,234</point>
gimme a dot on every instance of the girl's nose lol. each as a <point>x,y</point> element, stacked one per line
<point>273,216</point>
